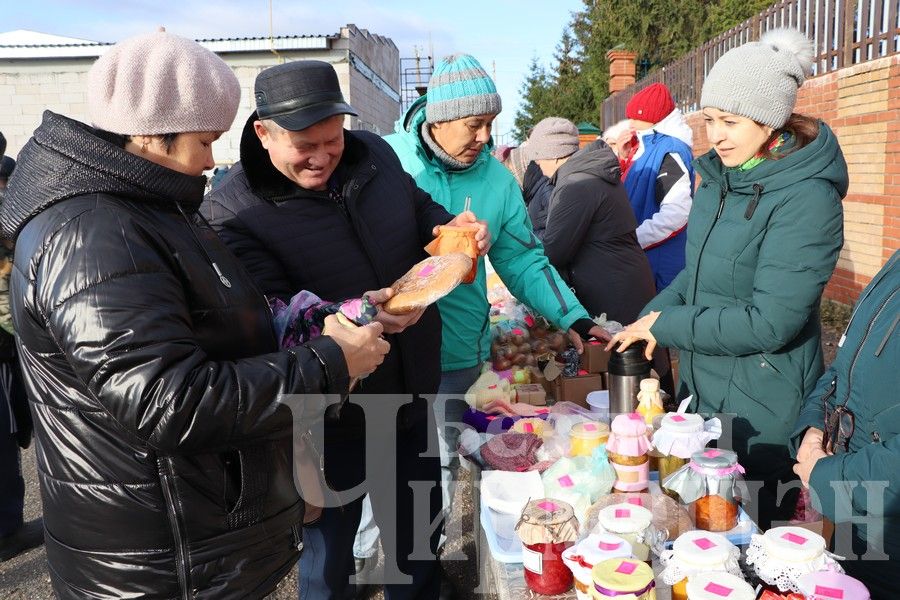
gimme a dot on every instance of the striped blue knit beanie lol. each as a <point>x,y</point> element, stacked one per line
<point>460,88</point>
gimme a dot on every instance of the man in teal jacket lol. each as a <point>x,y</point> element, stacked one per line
<point>855,478</point>
<point>443,142</point>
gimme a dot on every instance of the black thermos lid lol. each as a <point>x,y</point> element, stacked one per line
<point>631,361</point>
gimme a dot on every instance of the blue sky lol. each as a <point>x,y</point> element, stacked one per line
<point>503,34</point>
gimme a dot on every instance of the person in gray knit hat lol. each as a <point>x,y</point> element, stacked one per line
<point>763,238</point>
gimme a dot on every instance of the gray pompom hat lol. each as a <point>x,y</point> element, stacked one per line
<point>759,80</point>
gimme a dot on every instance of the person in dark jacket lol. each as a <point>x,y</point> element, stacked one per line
<point>16,536</point>
<point>313,206</point>
<point>536,191</point>
<point>763,237</point>
<point>590,236</point>
<point>847,438</point>
<point>154,376</point>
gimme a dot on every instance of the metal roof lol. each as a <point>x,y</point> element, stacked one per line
<point>23,43</point>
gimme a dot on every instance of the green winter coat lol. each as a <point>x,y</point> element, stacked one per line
<point>865,377</point>
<point>744,312</point>
<point>516,254</point>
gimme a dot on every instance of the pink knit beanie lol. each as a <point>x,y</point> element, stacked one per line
<point>161,83</point>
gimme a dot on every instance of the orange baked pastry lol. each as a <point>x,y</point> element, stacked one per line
<point>427,282</point>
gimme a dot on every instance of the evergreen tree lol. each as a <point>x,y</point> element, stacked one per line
<point>659,31</point>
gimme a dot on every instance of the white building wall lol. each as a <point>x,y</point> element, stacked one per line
<point>30,86</point>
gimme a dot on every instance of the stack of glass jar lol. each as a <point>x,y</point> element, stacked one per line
<point>627,450</point>
<point>678,437</point>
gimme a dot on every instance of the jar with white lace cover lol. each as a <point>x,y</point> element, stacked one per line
<point>696,552</point>
<point>632,523</point>
<point>782,555</point>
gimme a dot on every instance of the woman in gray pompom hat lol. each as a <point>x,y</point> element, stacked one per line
<point>764,236</point>
<point>164,451</point>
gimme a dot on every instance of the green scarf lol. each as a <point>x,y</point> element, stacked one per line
<point>777,148</point>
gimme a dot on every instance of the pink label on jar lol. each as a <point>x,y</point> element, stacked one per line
<point>635,417</point>
<point>704,543</point>
<point>635,501</point>
<point>426,270</point>
<point>627,568</point>
<point>542,411</point>
<point>528,428</point>
<point>566,481</point>
<point>517,331</point>
<point>794,538</point>
<point>590,427</point>
<point>678,418</point>
<point>608,547</point>
<point>718,590</point>
<point>712,453</point>
<point>548,506</point>
<point>827,592</point>
<point>623,513</point>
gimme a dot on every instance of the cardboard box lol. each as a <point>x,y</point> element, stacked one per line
<point>531,393</point>
<point>595,359</point>
<point>576,389</point>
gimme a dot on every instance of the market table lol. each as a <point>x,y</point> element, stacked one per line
<point>507,580</point>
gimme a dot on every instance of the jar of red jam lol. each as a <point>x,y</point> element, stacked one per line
<point>547,528</point>
<point>709,484</point>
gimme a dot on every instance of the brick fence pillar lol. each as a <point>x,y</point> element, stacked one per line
<point>621,69</point>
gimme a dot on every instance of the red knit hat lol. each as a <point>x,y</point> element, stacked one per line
<point>651,104</point>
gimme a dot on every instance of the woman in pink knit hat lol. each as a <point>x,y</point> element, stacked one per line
<point>164,454</point>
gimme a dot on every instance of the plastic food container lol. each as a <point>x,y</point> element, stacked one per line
<point>584,437</point>
<point>506,493</point>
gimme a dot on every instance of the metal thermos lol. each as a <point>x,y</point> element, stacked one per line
<point>626,369</point>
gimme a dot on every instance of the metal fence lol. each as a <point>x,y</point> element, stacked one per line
<point>845,32</point>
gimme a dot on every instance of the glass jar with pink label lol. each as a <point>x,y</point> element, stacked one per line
<point>718,586</point>
<point>547,527</point>
<point>627,450</point>
<point>831,585</point>
<point>696,552</point>
<point>709,483</point>
<point>783,555</point>
<point>623,579</point>
<point>679,436</point>
<point>631,522</point>
<point>591,551</point>
<point>584,437</point>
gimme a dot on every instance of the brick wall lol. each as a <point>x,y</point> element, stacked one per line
<point>862,105</point>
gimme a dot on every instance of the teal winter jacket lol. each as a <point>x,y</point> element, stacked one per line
<point>761,246</point>
<point>865,376</point>
<point>515,253</point>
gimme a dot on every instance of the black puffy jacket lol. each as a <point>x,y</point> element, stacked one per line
<point>290,239</point>
<point>163,455</point>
